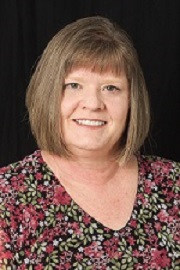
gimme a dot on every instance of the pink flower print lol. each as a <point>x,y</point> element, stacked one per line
<point>38,176</point>
<point>22,267</point>
<point>86,219</point>
<point>136,253</point>
<point>160,258</point>
<point>41,215</point>
<point>79,256</point>
<point>158,226</point>
<point>13,223</point>
<point>163,216</point>
<point>141,199</point>
<point>75,227</point>
<point>60,196</point>
<point>6,255</point>
<point>27,252</point>
<point>133,223</point>
<point>49,249</point>
<point>59,216</point>
<point>67,266</point>
<point>33,223</point>
<point>131,241</point>
<point>38,267</point>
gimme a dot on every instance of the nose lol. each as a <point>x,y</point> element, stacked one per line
<point>92,100</point>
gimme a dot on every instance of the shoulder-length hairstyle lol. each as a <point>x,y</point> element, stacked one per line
<point>99,45</point>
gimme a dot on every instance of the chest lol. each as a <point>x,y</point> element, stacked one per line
<point>70,237</point>
<point>111,210</point>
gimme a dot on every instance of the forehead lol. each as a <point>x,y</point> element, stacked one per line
<point>115,69</point>
<point>83,73</point>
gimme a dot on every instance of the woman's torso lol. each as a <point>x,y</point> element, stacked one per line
<point>46,229</point>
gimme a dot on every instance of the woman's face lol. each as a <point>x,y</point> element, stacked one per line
<point>94,110</point>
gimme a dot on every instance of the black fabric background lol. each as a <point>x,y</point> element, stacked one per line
<point>26,26</point>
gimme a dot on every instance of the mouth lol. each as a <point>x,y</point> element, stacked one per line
<point>88,122</point>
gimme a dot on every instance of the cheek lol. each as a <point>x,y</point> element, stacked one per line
<point>120,111</point>
<point>67,107</point>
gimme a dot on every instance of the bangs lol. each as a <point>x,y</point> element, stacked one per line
<point>97,58</point>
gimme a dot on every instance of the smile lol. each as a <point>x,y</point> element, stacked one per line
<point>86,122</point>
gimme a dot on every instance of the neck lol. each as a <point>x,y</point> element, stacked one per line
<point>84,169</point>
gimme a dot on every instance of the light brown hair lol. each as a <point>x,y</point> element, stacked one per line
<point>99,45</point>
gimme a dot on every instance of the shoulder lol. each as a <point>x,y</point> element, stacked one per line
<point>160,166</point>
<point>12,176</point>
<point>160,175</point>
<point>22,166</point>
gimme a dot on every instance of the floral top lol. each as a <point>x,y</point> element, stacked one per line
<point>41,227</point>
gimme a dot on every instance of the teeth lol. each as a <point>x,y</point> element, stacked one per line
<point>90,122</point>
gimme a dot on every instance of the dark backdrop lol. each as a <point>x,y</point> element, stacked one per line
<point>27,25</point>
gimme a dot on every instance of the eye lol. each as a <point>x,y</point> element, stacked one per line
<point>71,86</point>
<point>111,88</point>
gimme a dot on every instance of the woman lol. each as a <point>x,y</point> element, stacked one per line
<point>87,199</point>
